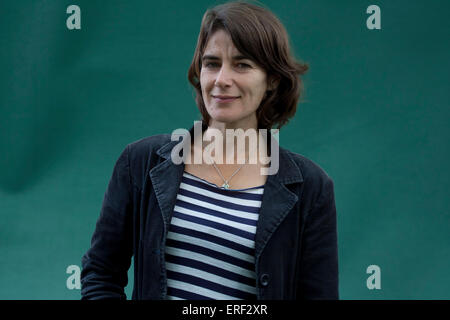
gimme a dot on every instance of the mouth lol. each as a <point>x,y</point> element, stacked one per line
<point>224,99</point>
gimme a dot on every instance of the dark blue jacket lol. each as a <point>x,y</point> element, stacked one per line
<point>296,252</point>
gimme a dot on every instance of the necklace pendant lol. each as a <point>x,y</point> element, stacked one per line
<point>226,185</point>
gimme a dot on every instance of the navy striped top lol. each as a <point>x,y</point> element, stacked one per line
<point>210,247</point>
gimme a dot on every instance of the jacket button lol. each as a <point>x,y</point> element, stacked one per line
<point>264,279</point>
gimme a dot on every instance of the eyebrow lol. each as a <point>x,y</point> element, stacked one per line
<point>211,57</point>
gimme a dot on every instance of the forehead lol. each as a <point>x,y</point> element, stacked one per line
<point>220,42</point>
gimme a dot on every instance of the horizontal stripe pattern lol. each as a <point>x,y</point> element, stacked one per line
<point>210,244</point>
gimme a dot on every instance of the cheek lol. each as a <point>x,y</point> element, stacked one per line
<point>262,88</point>
<point>202,80</point>
<point>257,90</point>
<point>205,82</point>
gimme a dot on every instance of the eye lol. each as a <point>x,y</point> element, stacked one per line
<point>214,64</point>
<point>210,64</point>
<point>244,65</point>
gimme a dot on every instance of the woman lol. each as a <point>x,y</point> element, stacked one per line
<point>219,229</point>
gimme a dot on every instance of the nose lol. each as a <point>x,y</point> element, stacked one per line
<point>224,77</point>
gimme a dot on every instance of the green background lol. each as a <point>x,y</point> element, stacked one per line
<point>374,116</point>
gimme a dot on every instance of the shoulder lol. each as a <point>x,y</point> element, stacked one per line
<point>309,168</point>
<point>147,146</point>
<point>315,178</point>
<point>139,156</point>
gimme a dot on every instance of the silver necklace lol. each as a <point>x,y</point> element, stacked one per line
<point>226,184</point>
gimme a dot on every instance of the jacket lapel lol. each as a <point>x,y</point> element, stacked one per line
<point>277,200</point>
<point>166,178</point>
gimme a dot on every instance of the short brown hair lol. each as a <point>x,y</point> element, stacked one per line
<point>257,33</point>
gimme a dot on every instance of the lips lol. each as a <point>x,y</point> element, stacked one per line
<point>225,97</point>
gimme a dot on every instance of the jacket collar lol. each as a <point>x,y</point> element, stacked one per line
<point>277,200</point>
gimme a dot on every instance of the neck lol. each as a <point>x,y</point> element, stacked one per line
<point>232,143</point>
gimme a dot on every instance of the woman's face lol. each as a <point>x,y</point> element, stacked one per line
<point>225,73</point>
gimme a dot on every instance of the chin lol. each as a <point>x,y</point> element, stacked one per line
<point>227,116</point>
<point>220,115</point>
<point>224,119</point>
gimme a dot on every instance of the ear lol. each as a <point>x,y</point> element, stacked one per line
<point>273,83</point>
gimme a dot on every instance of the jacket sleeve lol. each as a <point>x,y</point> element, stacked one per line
<point>319,261</point>
<point>106,263</point>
